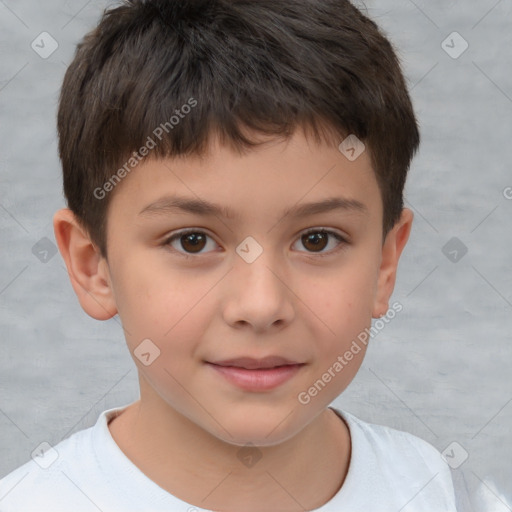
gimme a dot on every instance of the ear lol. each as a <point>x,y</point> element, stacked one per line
<point>391,251</point>
<point>87,269</point>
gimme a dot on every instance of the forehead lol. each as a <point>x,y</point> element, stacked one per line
<point>294,177</point>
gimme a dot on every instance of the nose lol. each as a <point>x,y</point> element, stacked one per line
<point>258,296</point>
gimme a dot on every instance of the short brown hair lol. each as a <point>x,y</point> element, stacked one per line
<point>268,66</point>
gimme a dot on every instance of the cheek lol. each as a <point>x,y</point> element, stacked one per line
<point>342,308</point>
<point>164,306</point>
<point>339,302</point>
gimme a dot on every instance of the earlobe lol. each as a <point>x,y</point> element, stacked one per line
<point>391,251</point>
<point>87,270</point>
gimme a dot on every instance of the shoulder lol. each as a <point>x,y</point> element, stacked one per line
<point>385,460</point>
<point>49,474</point>
<point>385,440</point>
<point>70,472</point>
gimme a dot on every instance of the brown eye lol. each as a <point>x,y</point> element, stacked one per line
<point>317,240</point>
<point>193,242</point>
<point>189,242</point>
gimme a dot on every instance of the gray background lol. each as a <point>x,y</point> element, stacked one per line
<point>440,369</point>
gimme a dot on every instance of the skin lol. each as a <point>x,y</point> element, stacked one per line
<point>189,424</point>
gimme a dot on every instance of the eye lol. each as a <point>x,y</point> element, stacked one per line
<point>315,240</point>
<point>194,241</point>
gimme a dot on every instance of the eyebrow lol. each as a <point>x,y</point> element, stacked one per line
<point>176,204</point>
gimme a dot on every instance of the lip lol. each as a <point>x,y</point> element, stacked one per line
<point>257,379</point>
<point>251,363</point>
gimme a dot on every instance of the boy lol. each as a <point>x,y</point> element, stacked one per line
<point>234,174</point>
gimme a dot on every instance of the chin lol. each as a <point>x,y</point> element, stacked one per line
<point>258,429</point>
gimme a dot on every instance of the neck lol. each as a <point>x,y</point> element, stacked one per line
<point>301,473</point>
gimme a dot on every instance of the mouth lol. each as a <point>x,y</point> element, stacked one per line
<point>250,363</point>
<point>257,375</point>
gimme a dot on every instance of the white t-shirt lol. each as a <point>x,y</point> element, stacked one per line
<point>389,470</point>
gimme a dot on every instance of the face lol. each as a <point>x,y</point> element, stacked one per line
<point>260,278</point>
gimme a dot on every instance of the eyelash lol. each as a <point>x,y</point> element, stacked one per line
<point>343,241</point>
